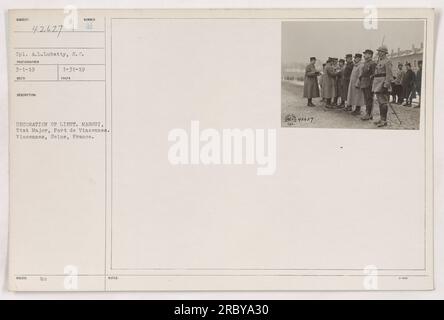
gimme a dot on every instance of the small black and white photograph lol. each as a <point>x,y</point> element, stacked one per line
<point>352,74</point>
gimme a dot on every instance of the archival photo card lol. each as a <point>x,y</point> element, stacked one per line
<point>216,150</point>
<point>353,74</point>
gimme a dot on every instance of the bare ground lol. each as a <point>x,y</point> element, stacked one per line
<point>302,116</point>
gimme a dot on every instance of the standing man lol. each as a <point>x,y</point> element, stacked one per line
<point>355,96</point>
<point>418,82</point>
<point>329,89</point>
<point>322,82</point>
<point>365,83</point>
<point>382,84</point>
<point>311,86</point>
<point>336,69</point>
<point>408,84</point>
<point>397,85</point>
<point>348,68</point>
<point>340,82</point>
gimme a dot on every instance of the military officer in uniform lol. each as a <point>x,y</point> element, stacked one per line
<point>311,86</point>
<point>336,69</point>
<point>355,95</point>
<point>397,85</point>
<point>365,83</point>
<point>340,82</point>
<point>418,82</point>
<point>408,85</point>
<point>348,68</point>
<point>382,84</point>
<point>329,83</point>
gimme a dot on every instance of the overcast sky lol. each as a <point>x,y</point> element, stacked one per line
<point>323,39</point>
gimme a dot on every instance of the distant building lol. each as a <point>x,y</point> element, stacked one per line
<point>296,71</point>
<point>293,73</point>
<point>412,55</point>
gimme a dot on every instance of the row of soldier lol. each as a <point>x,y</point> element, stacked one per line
<point>355,82</point>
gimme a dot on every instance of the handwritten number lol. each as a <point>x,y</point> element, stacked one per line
<point>48,29</point>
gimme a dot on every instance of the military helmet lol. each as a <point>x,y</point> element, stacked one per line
<point>383,48</point>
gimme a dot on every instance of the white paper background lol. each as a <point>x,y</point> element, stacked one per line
<point>438,293</point>
<point>225,213</point>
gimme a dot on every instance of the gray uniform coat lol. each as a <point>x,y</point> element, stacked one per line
<point>355,95</point>
<point>329,83</point>
<point>311,86</point>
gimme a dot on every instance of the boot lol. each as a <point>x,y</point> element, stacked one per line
<point>383,109</point>
<point>348,108</point>
<point>328,104</point>
<point>310,104</point>
<point>340,106</point>
<point>357,111</point>
<point>368,113</point>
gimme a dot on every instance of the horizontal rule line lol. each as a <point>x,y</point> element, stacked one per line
<point>32,48</point>
<point>222,275</point>
<point>283,18</point>
<point>59,64</point>
<point>256,269</point>
<point>59,80</point>
<point>65,31</point>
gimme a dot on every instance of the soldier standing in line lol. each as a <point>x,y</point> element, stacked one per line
<point>408,84</point>
<point>336,69</point>
<point>321,82</point>
<point>365,83</point>
<point>418,82</point>
<point>348,68</point>
<point>355,96</point>
<point>397,85</point>
<point>340,82</point>
<point>382,84</point>
<point>329,89</point>
<point>311,87</point>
